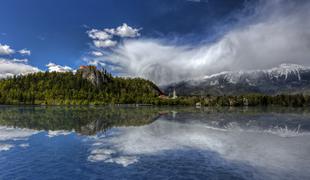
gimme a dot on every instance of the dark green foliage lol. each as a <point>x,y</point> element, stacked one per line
<point>72,89</point>
<point>298,100</point>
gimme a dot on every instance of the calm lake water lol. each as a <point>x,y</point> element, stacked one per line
<point>154,143</point>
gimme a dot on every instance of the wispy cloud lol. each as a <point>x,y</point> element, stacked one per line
<point>96,53</point>
<point>104,43</point>
<point>20,60</point>
<point>25,52</point>
<point>277,32</point>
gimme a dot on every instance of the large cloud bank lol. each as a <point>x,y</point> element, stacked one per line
<point>11,67</point>
<point>277,32</point>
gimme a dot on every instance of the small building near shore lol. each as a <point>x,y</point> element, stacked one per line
<point>174,96</point>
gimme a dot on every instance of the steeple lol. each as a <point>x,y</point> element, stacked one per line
<point>174,94</point>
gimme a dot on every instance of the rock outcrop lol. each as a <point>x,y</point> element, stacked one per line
<point>92,74</point>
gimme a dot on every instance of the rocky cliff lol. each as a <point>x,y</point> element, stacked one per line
<point>95,76</point>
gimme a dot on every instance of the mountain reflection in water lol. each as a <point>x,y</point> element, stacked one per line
<point>90,120</point>
<point>154,142</point>
<point>83,120</point>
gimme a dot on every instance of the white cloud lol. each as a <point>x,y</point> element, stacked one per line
<point>98,34</point>
<point>6,50</point>
<point>277,33</point>
<point>25,52</point>
<point>96,63</point>
<point>97,53</point>
<point>24,145</point>
<point>105,43</point>
<point>15,67</point>
<point>52,67</point>
<point>103,38</point>
<point>20,60</point>
<point>6,147</point>
<point>124,31</point>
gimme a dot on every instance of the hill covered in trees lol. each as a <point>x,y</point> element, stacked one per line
<point>87,86</point>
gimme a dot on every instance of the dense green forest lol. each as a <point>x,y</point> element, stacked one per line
<point>94,87</point>
<point>73,89</point>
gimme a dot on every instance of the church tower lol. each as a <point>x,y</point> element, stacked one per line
<point>174,94</point>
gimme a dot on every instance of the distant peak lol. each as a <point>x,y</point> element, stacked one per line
<point>296,66</point>
<point>282,71</point>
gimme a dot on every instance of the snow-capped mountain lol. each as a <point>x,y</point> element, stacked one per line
<point>287,78</point>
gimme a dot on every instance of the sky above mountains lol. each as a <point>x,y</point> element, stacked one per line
<point>162,40</point>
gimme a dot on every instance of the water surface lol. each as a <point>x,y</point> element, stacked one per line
<point>154,143</point>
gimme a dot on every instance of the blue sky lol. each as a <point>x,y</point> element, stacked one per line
<point>55,30</point>
<point>161,40</point>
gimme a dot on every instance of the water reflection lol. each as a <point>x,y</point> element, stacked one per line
<point>235,140</point>
<point>90,120</point>
<point>156,142</point>
<point>83,120</point>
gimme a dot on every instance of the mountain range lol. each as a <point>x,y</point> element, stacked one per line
<point>284,79</point>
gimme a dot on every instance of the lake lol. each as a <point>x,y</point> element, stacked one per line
<point>154,143</point>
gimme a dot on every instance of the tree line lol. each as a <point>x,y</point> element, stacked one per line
<point>297,100</point>
<point>54,88</point>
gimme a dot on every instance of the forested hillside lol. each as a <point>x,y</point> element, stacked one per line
<point>69,88</point>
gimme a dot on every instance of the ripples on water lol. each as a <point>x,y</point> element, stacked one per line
<point>154,143</point>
